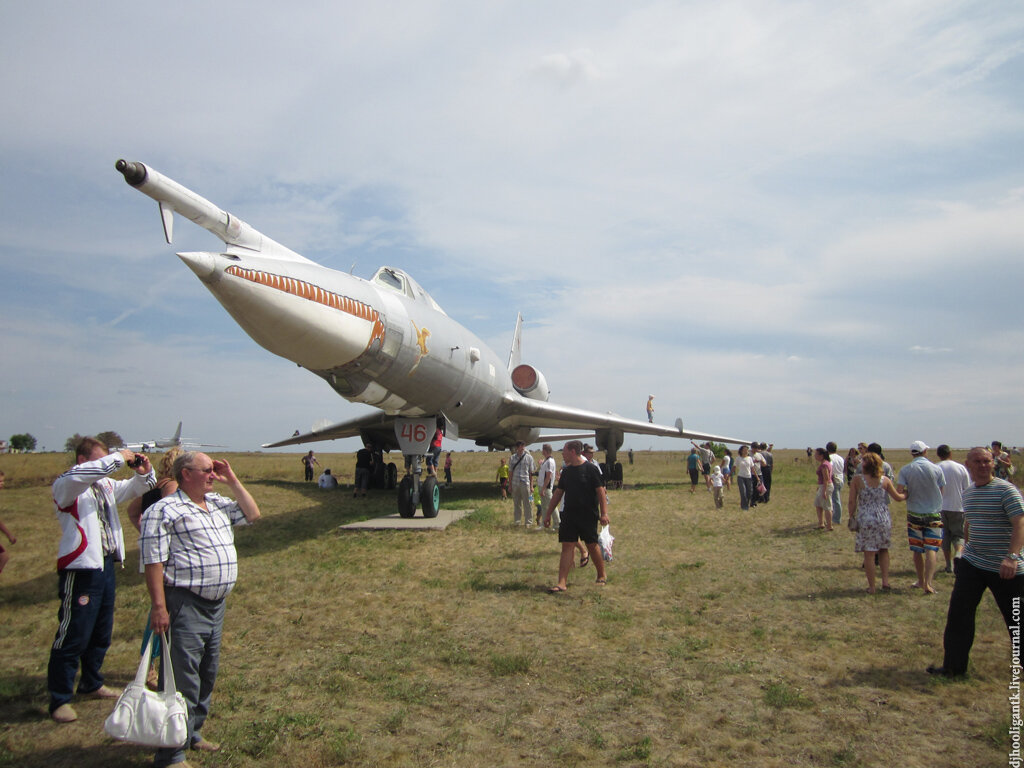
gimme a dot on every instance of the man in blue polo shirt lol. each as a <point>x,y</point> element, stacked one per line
<point>994,528</point>
<point>923,481</point>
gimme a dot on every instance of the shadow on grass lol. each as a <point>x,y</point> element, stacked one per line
<point>907,678</point>
<point>22,698</point>
<point>796,531</point>
<point>77,756</point>
<point>847,592</point>
<point>324,511</point>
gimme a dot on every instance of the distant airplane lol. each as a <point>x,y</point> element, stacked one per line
<point>384,342</point>
<point>148,446</point>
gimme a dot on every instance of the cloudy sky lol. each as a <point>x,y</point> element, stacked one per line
<point>792,221</point>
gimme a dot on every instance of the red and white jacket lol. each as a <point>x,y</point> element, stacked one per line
<point>81,544</point>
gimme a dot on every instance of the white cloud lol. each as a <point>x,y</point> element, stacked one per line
<point>808,205</point>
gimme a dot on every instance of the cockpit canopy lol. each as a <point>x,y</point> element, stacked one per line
<point>398,281</point>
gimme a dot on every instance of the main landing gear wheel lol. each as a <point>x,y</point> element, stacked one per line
<point>406,507</point>
<point>430,496</point>
<point>391,474</point>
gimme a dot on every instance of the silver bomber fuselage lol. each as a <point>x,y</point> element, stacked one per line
<point>371,343</point>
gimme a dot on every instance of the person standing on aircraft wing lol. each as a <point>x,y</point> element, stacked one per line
<point>585,506</point>
<point>521,469</point>
<point>650,409</point>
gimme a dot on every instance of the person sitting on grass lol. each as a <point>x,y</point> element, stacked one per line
<point>869,512</point>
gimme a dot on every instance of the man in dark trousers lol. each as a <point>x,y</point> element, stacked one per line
<point>992,560</point>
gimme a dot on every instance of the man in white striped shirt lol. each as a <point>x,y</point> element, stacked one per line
<point>994,517</point>
<point>188,548</point>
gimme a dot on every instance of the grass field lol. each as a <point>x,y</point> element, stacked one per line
<point>723,637</point>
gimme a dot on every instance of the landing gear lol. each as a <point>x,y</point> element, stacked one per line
<point>414,438</point>
<point>430,497</point>
<point>406,497</point>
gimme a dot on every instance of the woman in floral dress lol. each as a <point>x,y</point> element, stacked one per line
<point>869,512</point>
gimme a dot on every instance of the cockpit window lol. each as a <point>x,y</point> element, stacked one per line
<point>389,279</point>
<point>396,280</point>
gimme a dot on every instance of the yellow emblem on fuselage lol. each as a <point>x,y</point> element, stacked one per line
<point>421,342</point>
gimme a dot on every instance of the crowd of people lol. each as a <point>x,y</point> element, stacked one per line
<point>970,513</point>
<point>752,469</point>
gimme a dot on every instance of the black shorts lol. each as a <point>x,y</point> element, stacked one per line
<point>572,530</point>
<point>694,474</point>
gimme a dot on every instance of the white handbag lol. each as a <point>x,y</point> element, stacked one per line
<point>150,718</point>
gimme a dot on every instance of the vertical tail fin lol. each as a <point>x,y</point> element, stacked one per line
<point>177,435</point>
<point>515,354</point>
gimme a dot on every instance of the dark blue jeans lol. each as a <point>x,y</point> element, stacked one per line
<point>969,588</point>
<point>85,620</point>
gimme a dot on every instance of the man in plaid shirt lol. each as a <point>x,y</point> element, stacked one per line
<point>188,548</point>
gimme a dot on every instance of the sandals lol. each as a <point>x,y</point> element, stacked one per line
<point>584,561</point>
<point>601,582</point>
<point>556,589</point>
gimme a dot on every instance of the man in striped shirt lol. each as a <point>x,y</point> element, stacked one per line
<point>994,533</point>
<point>188,548</point>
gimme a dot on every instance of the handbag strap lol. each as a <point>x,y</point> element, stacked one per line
<point>143,670</point>
<point>169,688</point>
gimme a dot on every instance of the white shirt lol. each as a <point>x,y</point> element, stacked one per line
<point>957,481</point>
<point>546,474</point>
<point>838,470</point>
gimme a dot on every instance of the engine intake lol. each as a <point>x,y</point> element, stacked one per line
<point>529,382</point>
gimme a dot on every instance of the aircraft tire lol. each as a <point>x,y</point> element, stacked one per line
<point>379,479</point>
<point>430,497</point>
<point>617,474</point>
<point>392,476</point>
<point>405,506</point>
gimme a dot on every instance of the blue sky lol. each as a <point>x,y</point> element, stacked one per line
<point>787,220</point>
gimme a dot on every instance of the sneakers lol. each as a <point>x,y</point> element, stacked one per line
<point>103,692</point>
<point>64,714</point>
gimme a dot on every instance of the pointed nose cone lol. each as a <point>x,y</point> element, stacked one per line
<point>203,264</point>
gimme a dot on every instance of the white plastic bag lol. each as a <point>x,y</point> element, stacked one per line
<point>150,718</point>
<point>605,539</point>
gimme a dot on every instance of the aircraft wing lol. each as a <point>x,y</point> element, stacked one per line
<point>517,411</point>
<point>380,425</point>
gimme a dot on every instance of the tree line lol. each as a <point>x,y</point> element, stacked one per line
<point>26,442</point>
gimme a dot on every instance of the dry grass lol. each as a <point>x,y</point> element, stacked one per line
<point>722,638</point>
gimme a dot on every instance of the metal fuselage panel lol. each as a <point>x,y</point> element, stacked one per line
<point>371,344</point>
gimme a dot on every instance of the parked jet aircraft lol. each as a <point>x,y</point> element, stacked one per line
<point>164,443</point>
<point>384,342</point>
